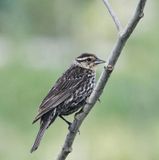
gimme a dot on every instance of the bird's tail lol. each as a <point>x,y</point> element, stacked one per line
<point>43,127</point>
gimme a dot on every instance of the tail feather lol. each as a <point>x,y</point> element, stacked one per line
<point>44,125</point>
<point>39,137</point>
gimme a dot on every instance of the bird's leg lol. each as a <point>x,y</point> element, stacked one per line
<point>69,123</point>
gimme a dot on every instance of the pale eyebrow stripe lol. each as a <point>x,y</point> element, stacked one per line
<point>84,58</point>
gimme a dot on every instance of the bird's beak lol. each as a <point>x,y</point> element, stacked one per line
<point>99,61</point>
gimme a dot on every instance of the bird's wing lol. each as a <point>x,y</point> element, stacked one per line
<point>58,94</point>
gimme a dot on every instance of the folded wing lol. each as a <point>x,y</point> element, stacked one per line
<point>62,90</point>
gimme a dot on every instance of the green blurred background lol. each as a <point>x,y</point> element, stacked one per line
<point>38,41</point>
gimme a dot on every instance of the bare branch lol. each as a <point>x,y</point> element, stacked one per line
<point>116,51</point>
<point>113,15</point>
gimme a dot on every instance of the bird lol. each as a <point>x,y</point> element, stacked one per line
<point>69,94</point>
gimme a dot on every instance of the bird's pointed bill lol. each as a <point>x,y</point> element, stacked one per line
<point>99,61</point>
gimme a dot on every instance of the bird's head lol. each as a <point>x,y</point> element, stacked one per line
<point>88,61</point>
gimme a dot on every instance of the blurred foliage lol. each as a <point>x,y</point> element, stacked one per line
<point>40,17</point>
<point>38,40</point>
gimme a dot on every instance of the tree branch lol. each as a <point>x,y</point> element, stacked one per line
<point>113,15</point>
<point>115,53</point>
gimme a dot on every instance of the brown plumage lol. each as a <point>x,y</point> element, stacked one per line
<point>68,94</point>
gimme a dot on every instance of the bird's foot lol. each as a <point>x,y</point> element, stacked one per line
<point>72,129</point>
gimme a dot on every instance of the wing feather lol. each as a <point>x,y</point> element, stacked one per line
<point>62,90</point>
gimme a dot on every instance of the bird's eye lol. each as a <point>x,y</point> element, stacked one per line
<point>89,59</point>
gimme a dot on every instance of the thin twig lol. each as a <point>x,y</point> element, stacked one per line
<point>113,15</point>
<point>116,51</point>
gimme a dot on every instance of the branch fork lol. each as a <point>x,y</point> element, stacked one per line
<point>113,15</point>
<point>124,34</point>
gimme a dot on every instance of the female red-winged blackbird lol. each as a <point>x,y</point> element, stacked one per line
<point>69,94</point>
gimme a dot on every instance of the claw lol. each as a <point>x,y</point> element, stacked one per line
<point>69,127</point>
